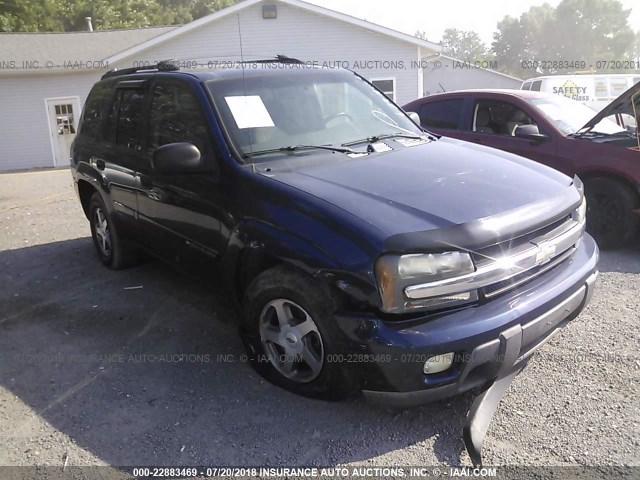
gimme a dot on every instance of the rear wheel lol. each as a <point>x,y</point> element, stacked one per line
<point>610,217</point>
<point>290,335</point>
<point>110,247</point>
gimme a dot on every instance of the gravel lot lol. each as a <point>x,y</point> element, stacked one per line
<point>86,372</point>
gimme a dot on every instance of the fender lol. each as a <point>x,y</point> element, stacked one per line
<point>93,176</point>
<point>263,243</point>
<point>264,240</point>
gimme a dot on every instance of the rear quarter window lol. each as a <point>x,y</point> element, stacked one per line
<point>92,117</point>
<point>442,114</point>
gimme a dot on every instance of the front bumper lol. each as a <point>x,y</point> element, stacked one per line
<point>489,340</point>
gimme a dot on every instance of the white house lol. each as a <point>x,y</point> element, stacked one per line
<point>45,77</point>
<point>444,74</point>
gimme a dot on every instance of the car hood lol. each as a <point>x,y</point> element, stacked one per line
<point>434,186</point>
<point>628,102</point>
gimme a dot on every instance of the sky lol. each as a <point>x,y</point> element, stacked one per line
<point>409,16</point>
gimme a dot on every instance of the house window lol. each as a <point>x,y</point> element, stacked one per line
<point>386,86</point>
<point>64,119</point>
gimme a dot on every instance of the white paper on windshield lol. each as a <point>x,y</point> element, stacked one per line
<point>249,111</point>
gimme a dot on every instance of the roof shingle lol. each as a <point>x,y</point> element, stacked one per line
<point>53,50</point>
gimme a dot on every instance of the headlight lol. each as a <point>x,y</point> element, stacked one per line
<point>580,214</point>
<point>435,265</point>
<point>396,272</point>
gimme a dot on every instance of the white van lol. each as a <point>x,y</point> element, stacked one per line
<point>595,91</point>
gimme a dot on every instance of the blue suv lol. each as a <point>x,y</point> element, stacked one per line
<point>367,254</point>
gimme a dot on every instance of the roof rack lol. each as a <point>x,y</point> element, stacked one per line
<point>161,66</point>
<point>277,59</point>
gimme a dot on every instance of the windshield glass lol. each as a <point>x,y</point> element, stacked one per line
<point>570,116</point>
<point>271,110</point>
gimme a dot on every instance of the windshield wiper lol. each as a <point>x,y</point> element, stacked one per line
<point>294,148</point>
<point>377,138</point>
<point>595,133</point>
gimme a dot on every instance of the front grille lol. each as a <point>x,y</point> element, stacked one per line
<point>524,277</point>
<point>507,247</point>
<point>555,236</point>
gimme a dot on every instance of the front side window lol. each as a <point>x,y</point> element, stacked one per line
<point>175,116</point>
<point>441,114</point>
<point>497,117</point>
<point>272,111</point>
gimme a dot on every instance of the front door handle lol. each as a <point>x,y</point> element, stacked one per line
<point>97,162</point>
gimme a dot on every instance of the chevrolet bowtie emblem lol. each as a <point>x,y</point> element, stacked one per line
<point>545,253</point>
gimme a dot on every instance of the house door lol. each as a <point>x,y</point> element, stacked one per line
<point>63,122</point>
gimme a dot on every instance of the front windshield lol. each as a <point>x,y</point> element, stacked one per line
<point>570,116</point>
<point>277,109</point>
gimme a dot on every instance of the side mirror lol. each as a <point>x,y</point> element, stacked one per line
<point>415,117</point>
<point>530,132</point>
<point>180,157</point>
<point>632,129</point>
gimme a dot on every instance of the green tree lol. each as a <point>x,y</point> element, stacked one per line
<point>463,44</point>
<point>69,15</point>
<point>524,39</point>
<point>599,30</point>
<point>576,31</point>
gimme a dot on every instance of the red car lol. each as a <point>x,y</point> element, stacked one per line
<point>560,133</point>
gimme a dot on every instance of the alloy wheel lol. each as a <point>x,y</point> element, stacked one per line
<point>103,235</point>
<point>291,340</point>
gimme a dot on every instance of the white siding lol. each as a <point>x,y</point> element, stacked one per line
<point>447,76</point>
<point>24,125</point>
<point>296,33</point>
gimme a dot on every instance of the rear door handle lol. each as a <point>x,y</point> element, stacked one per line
<point>97,162</point>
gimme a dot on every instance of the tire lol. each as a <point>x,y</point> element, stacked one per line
<point>610,217</point>
<point>110,247</point>
<point>283,346</point>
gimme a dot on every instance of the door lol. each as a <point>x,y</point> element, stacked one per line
<point>180,214</point>
<point>494,124</point>
<point>121,154</point>
<point>63,116</point>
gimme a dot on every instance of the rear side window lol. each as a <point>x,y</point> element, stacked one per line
<point>93,110</point>
<point>176,117</point>
<point>130,119</point>
<point>441,114</point>
<point>124,124</point>
<point>535,86</point>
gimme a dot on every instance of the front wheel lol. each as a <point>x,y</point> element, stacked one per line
<point>610,217</point>
<point>290,335</point>
<point>110,247</point>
